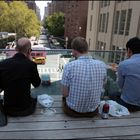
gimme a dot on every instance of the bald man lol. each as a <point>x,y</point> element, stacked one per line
<point>16,76</point>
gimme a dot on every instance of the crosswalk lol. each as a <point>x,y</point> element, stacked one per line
<point>47,70</point>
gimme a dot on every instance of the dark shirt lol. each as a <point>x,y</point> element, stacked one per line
<point>16,76</point>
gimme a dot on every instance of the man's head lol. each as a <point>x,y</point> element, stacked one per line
<point>133,46</point>
<point>79,46</point>
<point>23,46</point>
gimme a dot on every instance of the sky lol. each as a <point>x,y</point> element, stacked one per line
<point>41,5</point>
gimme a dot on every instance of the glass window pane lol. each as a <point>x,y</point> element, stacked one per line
<point>116,22</point>
<point>103,23</point>
<point>122,22</point>
<point>128,21</point>
<point>90,22</point>
<point>107,17</point>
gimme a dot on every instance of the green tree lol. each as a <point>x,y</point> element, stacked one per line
<point>55,24</point>
<point>23,21</point>
<point>19,18</point>
<point>4,9</point>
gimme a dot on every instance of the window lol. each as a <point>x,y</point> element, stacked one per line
<point>107,22</point>
<point>100,24</point>
<point>90,22</point>
<point>103,22</point>
<point>122,22</point>
<point>108,2</point>
<point>118,1</point>
<point>128,22</point>
<point>100,48</point>
<point>101,3</point>
<point>92,5</point>
<point>116,22</point>
<point>105,3</point>
<point>89,42</point>
<point>103,49</point>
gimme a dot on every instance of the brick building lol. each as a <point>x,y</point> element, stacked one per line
<point>76,19</point>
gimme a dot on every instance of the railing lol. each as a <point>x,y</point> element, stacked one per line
<point>106,56</point>
<point>65,55</point>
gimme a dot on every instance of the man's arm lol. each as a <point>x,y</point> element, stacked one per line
<point>35,77</point>
<point>65,82</point>
<point>121,77</point>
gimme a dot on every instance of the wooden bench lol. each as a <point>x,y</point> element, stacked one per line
<point>60,126</point>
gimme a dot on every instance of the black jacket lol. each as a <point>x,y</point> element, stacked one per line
<point>16,76</point>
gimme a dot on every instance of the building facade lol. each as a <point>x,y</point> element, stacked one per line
<point>111,24</point>
<point>76,19</point>
<point>56,6</point>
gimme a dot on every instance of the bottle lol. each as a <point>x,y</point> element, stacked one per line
<point>105,110</point>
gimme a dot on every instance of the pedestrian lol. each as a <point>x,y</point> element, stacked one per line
<point>16,76</point>
<point>82,82</point>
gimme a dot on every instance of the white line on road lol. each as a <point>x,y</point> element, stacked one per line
<point>47,70</point>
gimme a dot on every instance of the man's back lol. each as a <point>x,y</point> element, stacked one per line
<point>130,70</point>
<point>85,78</point>
<point>17,74</point>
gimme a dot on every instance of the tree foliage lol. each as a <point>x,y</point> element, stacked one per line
<point>17,17</point>
<point>4,9</point>
<point>55,24</point>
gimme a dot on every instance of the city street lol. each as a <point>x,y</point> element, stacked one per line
<point>51,67</point>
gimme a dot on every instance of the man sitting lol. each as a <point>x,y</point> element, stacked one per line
<point>82,82</point>
<point>16,76</point>
<point>129,76</point>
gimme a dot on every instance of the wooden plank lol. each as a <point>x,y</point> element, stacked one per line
<point>62,117</point>
<point>73,134</point>
<point>84,124</point>
<point>34,118</point>
<point>122,137</point>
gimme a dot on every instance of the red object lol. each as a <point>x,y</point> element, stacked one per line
<point>106,108</point>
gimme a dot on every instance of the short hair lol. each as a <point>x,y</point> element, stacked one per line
<point>23,45</point>
<point>79,44</point>
<point>134,45</point>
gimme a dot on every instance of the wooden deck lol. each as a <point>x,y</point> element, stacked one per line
<point>60,126</point>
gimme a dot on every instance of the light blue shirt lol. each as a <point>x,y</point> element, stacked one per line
<point>129,79</point>
<point>84,77</point>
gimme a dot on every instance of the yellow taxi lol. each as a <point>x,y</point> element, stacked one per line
<point>39,60</point>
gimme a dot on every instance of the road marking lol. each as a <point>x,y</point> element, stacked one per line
<point>47,70</point>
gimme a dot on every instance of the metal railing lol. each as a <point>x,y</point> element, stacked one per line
<point>106,56</point>
<point>65,56</point>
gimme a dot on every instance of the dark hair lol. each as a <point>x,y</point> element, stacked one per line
<point>79,44</point>
<point>134,45</point>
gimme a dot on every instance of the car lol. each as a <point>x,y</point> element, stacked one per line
<point>39,60</point>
